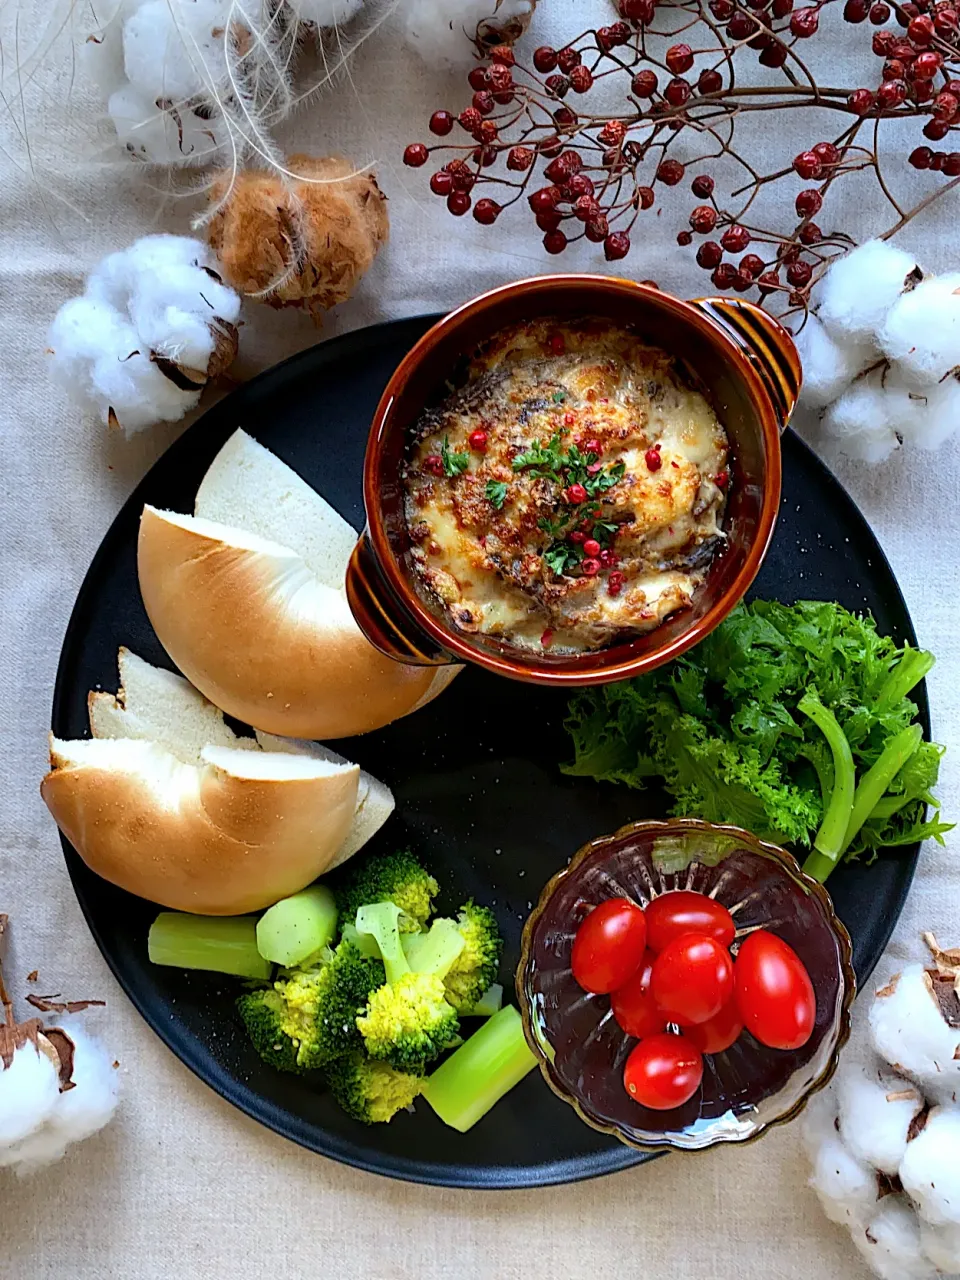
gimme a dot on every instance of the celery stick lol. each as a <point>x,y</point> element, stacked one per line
<point>485,1067</point>
<point>872,786</point>
<point>296,927</point>
<point>222,944</point>
<point>829,839</point>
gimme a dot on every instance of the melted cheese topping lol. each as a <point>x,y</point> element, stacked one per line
<point>511,562</point>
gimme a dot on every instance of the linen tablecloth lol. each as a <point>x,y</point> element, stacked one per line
<point>181,1185</point>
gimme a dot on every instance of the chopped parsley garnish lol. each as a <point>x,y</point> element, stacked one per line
<point>558,397</point>
<point>454,464</point>
<point>562,557</point>
<point>543,459</point>
<point>496,493</point>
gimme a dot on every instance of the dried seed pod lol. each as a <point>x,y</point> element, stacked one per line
<point>305,243</point>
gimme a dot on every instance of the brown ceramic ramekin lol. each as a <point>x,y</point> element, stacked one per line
<point>744,361</point>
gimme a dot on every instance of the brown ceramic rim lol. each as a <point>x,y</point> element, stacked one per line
<point>766,360</point>
<point>673,825</point>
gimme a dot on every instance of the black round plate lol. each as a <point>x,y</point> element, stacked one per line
<point>479,794</point>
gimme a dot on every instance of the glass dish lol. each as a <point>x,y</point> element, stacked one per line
<point>581,1049</point>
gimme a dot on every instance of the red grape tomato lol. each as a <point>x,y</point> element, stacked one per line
<point>692,979</point>
<point>719,1032</point>
<point>663,1072</point>
<point>774,992</point>
<point>684,911</point>
<point>633,1004</point>
<point>609,945</point>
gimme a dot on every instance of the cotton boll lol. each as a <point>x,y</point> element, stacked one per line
<point>175,51</point>
<point>819,1123</point>
<point>443,31</point>
<point>925,418</point>
<point>828,366</point>
<point>171,136</point>
<point>847,1188</point>
<point>859,289</point>
<point>859,424</point>
<point>325,13</point>
<point>921,333</point>
<point>890,1242</point>
<point>875,1116</point>
<point>942,1246</point>
<point>29,1090</point>
<point>79,1112</point>
<point>908,1030</point>
<point>930,1169</point>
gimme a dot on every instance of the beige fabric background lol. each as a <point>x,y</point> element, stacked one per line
<point>182,1186</point>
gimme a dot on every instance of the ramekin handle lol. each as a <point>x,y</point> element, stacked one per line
<point>768,345</point>
<point>382,617</point>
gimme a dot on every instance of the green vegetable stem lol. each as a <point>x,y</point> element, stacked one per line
<point>481,1071</point>
<point>219,944</point>
<point>829,840</point>
<point>874,783</point>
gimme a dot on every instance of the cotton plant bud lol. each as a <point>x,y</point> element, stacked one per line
<point>941,1245</point>
<point>444,32</point>
<point>890,1242</point>
<point>153,326</point>
<point>860,423</point>
<point>860,288</point>
<point>910,1027</point>
<point>876,1116</point>
<point>921,333</point>
<point>930,1168</point>
<point>828,366</point>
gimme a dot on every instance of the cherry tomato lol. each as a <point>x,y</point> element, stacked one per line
<point>609,945</point>
<point>633,1004</point>
<point>774,992</point>
<point>692,979</point>
<point>663,1072</point>
<point>683,911</point>
<point>719,1032</point>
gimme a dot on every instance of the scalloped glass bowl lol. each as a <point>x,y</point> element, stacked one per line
<point>581,1049</point>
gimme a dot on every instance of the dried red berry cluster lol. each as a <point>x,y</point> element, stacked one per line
<point>528,137</point>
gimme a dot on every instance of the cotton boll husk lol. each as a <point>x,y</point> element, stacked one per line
<point>921,333</point>
<point>443,31</point>
<point>874,1116</point>
<point>339,217</point>
<point>908,1030</point>
<point>859,423</point>
<point>325,13</point>
<point>174,50</point>
<point>828,366</point>
<point>890,1242</point>
<point>846,1187</point>
<point>79,1112</point>
<point>924,418</point>
<point>859,289</point>
<point>930,1169</point>
<point>29,1090</point>
<point>942,1245</point>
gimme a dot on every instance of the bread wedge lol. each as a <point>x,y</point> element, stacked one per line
<point>232,833</point>
<point>154,705</point>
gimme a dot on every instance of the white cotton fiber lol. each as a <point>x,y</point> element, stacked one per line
<point>442,31</point>
<point>908,1031</point>
<point>875,1116</point>
<point>846,1187</point>
<point>890,1242</point>
<point>819,1122</point>
<point>154,301</point>
<point>859,289</point>
<point>325,13</point>
<point>177,136</point>
<point>29,1090</point>
<point>942,1246</point>
<point>930,1169</point>
<point>921,333</point>
<point>925,417</point>
<point>172,51</point>
<point>828,366</point>
<point>860,423</point>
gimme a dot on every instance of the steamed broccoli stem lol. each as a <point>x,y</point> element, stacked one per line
<point>436,950</point>
<point>828,841</point>
<point>365,943</point>
<point>873,785</point>
<point>382,921</point>
<point>488,1065</point>
<point>490,1002</point>
<point>220,944</point>
<point>905,676</point>
<point>297,927</point>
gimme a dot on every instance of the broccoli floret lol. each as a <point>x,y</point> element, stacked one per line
<point>262,1012</point>
<point>321,1004</point>
<point>372,1092</point>
<point>408,1021</point>
<point>391,877</point>
<point>475,968</point>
